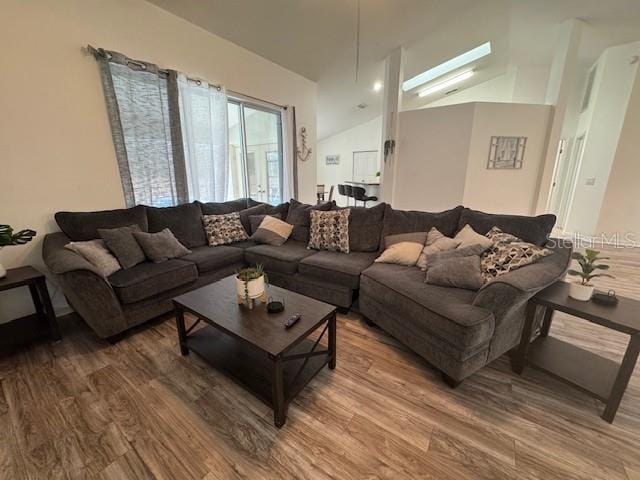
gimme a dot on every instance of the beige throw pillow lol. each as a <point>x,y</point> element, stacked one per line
<point>272,231</point>
<point>436,242</point>
<point>97,254</point>
<point>403,249</point>
<point>468,236</point>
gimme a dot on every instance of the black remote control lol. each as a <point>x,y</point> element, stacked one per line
<point>293,319</point>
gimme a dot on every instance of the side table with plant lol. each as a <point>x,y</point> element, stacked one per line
<point>590,268</point>
<point>8,238</point>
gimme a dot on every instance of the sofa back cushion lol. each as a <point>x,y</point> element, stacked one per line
<point>299,216</point>
<point>222,208</point>
<point>185,221</point>
<point>407,221</point>
<point>365,228</point>
<point>534,230</point>
<point>83,226</point>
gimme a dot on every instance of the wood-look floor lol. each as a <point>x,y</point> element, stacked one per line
<point>85,409</point>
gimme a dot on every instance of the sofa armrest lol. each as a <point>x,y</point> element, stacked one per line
<point>88,292</point>
<point>60,260</point>
<point>509,291</point>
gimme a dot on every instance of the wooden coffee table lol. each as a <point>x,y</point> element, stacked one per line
<point>600,377</point>
<point>252,346</point>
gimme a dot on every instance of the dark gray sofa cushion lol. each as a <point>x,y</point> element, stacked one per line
<point>407,221</point>
<point>341,268</point>
<point>82,226</point>
<point>213,258</point>
<point>148,279</point>
<point>123,244</point>
<point>444,312</point>
<point>534,230</point>
<point>222,208</point>
<point>282,259</point>
<point>184,221</point>
<point>247,213</point>
<point>299,216</point>
<point>282,209</point>
<point>365,228</point>
<point>243,245</point>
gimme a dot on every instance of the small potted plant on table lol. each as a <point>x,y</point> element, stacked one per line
<point>7,238</point>
<point>589,266</point>
<point>250,285</point>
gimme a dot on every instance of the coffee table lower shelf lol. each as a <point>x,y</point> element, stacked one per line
<point>254,370</point>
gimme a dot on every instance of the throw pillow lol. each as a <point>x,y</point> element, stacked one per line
<point>468,236</point>
<point>436,242</point>
<point>224,229</point>
<point>246,214</point>
<point>459,272</point>
<point>505,257</point>
<point>161,246</point>
<point>298,215</point>
<point>403,249</point>
<point>272,231</point>
<point>256,220</point>
<point>97,254</point>
<point>329,230</point>
<point>123,245</point>
<point>498,236</point>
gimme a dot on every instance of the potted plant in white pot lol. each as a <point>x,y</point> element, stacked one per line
<point>7,238</point>
<point>250,285</point>
<point>589,266</point>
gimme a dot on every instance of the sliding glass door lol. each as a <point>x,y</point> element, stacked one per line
<point>255,151</point>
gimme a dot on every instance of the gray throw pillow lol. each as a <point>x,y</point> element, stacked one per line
<point>272,231</point>
<point>469,251</point>
<point>96,253</point>
<point>459,272</point>
<point>123,245</point>
<point>160,246</point>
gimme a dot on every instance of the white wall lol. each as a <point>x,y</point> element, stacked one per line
<point>506,191</point>
<point>431,163</point>
<point>497,89</point>
<point>619,213</point>
<point>443,155</point>
<point>602,122</point>
<point>366,136</point>
<point>57,152</point>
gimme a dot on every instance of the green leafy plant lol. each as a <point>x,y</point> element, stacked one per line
<point>7,237</point>
<point>251,273</point>
<point>589,266</point>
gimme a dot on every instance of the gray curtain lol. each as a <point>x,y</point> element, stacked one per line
<point>143,107</point>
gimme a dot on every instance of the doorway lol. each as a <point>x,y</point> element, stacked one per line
<point>565,179</point>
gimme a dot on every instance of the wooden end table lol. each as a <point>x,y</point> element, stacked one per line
<point>600,377</point>
<point>36,281</point>
<point>252,346</point>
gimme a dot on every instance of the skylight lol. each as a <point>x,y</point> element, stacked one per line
<point>448,66</point>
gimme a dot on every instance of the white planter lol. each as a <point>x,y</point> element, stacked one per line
<point>255,288</point>
<point>577,291</point>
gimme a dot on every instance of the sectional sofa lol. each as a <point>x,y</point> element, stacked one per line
<point>456,330</point>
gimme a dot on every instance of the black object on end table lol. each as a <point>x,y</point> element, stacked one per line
<point>30,277</point>
<point>602,378</point>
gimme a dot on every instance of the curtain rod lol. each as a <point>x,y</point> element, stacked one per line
<point>100,52</point>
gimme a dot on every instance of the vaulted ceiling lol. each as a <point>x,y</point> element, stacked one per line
<point>317,38</point>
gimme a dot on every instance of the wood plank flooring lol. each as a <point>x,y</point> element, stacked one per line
<point>85,409</point>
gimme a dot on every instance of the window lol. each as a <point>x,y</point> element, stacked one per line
<point>255,151</point>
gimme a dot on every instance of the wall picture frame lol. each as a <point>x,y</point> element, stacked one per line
<point>506,152</point>
<point>332,160</point>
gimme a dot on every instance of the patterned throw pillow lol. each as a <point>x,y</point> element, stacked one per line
<point>224,229</point>
<point>329,230</point>
<point>508,253</point>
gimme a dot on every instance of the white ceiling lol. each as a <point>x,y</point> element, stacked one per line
<point>316,38</point>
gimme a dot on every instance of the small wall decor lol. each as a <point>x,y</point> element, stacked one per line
<point>332,159</point>
<point>506,152</point>
<point>304,152</point>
